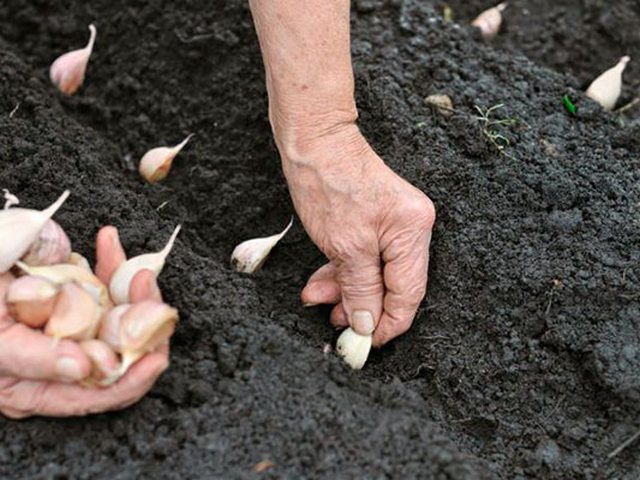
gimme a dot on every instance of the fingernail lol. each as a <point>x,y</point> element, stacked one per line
<point>69,369</point>
<point>310,304</point>
<point>362,322</point>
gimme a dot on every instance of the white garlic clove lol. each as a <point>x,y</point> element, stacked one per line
<point>76,315</point>
<point>52,246</point>
<point>20,227</point>
<point>63,273</point>
<point>109,331</point>
<point>607,87</point>
<point>121,279</point>
<point>9,199</point>
<point>5,280</point>
<point>30,300</point>
<point>156,163</point>
<point>354,348</point>
<point>105,366</point>
<point>68,70</point>
<point>144,327</point>
<point>490,20</point>
<point>79,261</point>
<point>250,255</point>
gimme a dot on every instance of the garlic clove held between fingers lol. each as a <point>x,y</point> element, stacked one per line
<point>156,163</point>
<point>606,88</point>
<point>79,261</point>
<point>354,348</point>
<point>52,246</point>
<point>76,315</point>
<point>30,300</point>
<point>63,273</point>
<point>121,279</point>
<point>20,227</point>
<point>144,327</point>
<point>105,365</point>
<point>68,70</point>
<point>490,20</point>
<point>250,255</point>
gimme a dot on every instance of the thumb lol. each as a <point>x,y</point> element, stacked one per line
<point>29,354</point>
<point>362,288</point>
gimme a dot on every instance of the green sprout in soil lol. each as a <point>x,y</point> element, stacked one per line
<point>571,108</point>
<point>491,126</point>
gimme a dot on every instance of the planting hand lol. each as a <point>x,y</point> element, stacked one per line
<point>374,227</point>
<point>37,378</point>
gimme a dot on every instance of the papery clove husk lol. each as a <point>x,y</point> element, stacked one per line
<point>52,246</point>
<point>68,70</point>
<point>606,88</point>
<point>489,21</point>
<point>156,163</point>
<point>31,300</point>
<point>109,331</point>
<point>76,315</point>
<point>250,255</point>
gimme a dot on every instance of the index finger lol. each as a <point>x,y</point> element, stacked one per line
<point>109,253</point>
<point>405,278</point>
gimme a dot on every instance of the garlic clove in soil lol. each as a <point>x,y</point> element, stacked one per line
<point>75,316</point>
<point>105,364</point>
<point>67,71</point>
<point>79,261</point>
<point>52,246</point>
<point>109,331</point>
<point>250,255</point>
<point>20,227</point>
<point>121,279</point>
<point>144,327</point>
<point>490,20</point>
<point>31,300</point>
<point>354,348</point>
<point>63,273</point>
<point>156,163</point>
<point>607,87</point>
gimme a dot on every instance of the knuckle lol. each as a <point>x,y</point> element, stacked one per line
<point>421,210</point>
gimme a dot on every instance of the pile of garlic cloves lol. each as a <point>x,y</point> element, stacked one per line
<point>45,285</point>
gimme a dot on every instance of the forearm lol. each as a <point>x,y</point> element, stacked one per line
<point>306,50</point>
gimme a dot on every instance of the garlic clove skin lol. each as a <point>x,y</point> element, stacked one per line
<point>5,281</point>
<point>31,300</point>
<point>606,88</point>
<point>52,246</point>
<point>442,103</point>
<point>156,163</point>
<point>354,348</point>
<point>109,331</point>
<point>121,279</point>
<point>105,364</point>
<point>144,327</point>
<point>75,316</point>
<point>63,273</point>
<point>250,255</point>
<point>79,261</point>
<point>68,70</point>
<point>490,20</point>
<point>20,227</point>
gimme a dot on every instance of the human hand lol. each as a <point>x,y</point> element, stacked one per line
<point>38,378</point>
<point>374,227</point>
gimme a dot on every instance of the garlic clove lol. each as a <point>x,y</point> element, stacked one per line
<point>67,71</point>
<point>250,255</point>
<point>52,246</point>
<point>490,20</point>
<point>156,163</point>
<point>606,88</point>
<point>63,273</point>
<point>144,327</point>
<point>9,199</point>
<point>76,315</point>
<point>5,281</point>
<point>109,331</point>
<point>30,300</point>
<point>353,348</point>
<point>105,365</point>
<point>79,261</point>
<point>442,103</point>
<point>20,227</point>
<point>121,279</point>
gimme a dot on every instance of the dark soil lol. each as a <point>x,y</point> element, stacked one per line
<point>524,361</point>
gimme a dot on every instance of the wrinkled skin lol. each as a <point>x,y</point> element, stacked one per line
<point>31,380</point>
<point>373,226</point>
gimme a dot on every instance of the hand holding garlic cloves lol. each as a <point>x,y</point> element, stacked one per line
<point>43,376</point>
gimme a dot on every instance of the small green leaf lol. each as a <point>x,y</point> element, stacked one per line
<point>571,108</point>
